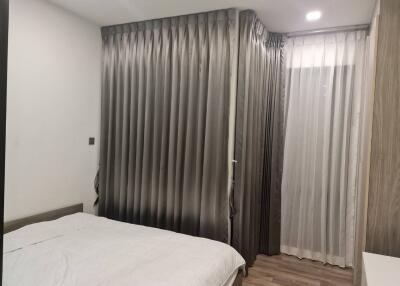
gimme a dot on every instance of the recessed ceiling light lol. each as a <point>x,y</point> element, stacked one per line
<point>313,16</point>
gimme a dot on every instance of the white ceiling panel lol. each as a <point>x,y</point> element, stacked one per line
<point>277,15</point>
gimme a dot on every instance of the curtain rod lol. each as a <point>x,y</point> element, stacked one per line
<point>328,30</point>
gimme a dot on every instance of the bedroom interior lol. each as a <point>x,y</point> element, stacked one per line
<point>200,142</point>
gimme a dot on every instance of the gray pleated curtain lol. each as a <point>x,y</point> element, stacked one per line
<point>164,123</point>
<point>258,140</point>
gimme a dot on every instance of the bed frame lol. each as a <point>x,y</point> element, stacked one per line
<point>51,215</point>
<point>55,214</point>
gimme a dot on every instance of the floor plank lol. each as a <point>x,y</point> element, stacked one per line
<point>284,270</point>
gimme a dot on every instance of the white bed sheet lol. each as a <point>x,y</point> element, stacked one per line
<point>232,279</point>
<point>83,249</point>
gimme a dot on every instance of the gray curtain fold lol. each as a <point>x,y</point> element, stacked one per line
<point>270,226</point>
<point>164,123</point>
<point>258,140</point>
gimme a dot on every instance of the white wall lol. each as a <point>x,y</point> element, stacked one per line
<point>53,108</point>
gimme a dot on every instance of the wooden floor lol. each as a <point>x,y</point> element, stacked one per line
<point>284,270</point>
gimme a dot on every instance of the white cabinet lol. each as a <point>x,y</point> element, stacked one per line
<point>380,270</point>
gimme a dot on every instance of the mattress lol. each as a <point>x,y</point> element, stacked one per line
<point>83,249</point>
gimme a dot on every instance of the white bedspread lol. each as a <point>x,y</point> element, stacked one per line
<point>83,249</point>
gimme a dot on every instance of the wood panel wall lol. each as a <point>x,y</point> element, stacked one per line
<point>383,222</point>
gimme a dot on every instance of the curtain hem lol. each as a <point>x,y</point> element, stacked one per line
<point>313,255</point>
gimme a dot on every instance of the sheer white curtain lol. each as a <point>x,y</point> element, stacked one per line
<point>324,79</point>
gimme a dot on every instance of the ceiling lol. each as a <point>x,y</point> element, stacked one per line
<point>277,15</point>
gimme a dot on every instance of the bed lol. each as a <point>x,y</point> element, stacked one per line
<point>83,249</point>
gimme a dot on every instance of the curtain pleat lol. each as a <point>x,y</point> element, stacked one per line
<point>273,143</point>
<point>164,125</point>
<point>258,140</point>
